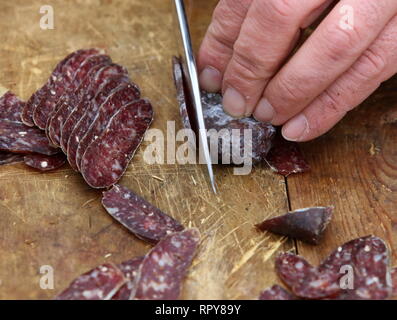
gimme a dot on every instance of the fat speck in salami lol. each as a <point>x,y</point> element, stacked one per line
<point>45,163</point>
<point>276,293</point>
<point>100,283</point>
<point>137,215</point>
<point>306,224</point>
<point>107,158</point>
<point>19,138</point>
<point>161,273</point>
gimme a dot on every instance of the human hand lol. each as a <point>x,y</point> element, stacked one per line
<point>248,41</point>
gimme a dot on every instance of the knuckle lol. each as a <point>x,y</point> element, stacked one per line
<point>340,42</point>
<point>247,64</point>
<point>220,32</point>
<point>330,102</point>
<point>290,93</point>
<point>370,65</point>
<point>282,10</point>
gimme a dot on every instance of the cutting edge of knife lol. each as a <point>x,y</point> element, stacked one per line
<point>194,86</point>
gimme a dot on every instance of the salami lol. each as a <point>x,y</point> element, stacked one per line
<point>130,269</point>
<point>107,158</point>
<point>393,276</point>
<point>368,260</point>
<point>11,107</point>
<point>10,158</point>
<point>100,283</point>
<point>35,99</point>
<point>66,103</point>
<point>59,85</point>
<point>137,215</point>
<point>45,163</point>
<point>83,124</point>
<point>19,138</point>
<point>231,140</point>
<point>117,100</point>
<point>276,293</point>
<point>77,111</point>
<point>286,158</point>
<point>163,269</point>
<point>306,224</point>
<point>304,280</point>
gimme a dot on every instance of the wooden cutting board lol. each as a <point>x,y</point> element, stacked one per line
<point>55,219</point>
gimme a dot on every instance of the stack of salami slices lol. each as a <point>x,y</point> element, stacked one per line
<point>90,109</point>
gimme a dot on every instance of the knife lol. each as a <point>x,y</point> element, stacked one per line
<point>190,74</point>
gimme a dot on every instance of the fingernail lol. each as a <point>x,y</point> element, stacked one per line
<point>233,103</point>
<point>295,129</point>
<point>264,111</point>
<point>210,79</point>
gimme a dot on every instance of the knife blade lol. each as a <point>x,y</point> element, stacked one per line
<point>191,76</point>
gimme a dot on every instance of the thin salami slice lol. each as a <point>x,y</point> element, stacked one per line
<point>35,99</point>
<point>10,158</point>
<point>110,107</point>
<point>130,269</point>
<point>77,111</point>
<point>45,163</point>
<point>276,293</point>
<point>285,157</point>
<point>162,271</point>
<point>107,158</point>
<point>137,215</point>
<point>367,259</point>
<point>11,107</point>
<point>393,275</point>
<point>306,224</point>
<point>66,103</point>
<point>59,86</point>
<point>19,138</point>
<point>234,139</point>
<point>83,124</point>
<point>100,283</point>
<point>304,280</point>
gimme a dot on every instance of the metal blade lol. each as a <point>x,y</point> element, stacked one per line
<point>190,73</point>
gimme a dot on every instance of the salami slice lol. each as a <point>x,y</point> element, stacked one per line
<point>286,158</point>
<point>11,107</point>
<point>107,158</point>
<point>77,111</point>
<point>58,86</point>
<point>45,163</point>
<point>100,283</point>
<point>393,275</point>
<point>19,138</point>
<point>367,259</point>
<point>66,103</point>
<point>162,271</point>
<point>137,215</point>
<point>82,125</point>
<point>110,107</point>
<point>231,140</point>
<point>276,293</point>
<point>306,224</point>
<point>35,99</point>
<point>10,158</point>
<point>130,269</point>
<point>304,280</point>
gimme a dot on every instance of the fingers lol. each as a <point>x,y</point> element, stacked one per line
<point>217,47</point>
<point>266,38</point>
<point>324,57</point>
<point>376,65</point>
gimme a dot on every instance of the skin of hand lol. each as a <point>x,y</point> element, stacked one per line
<point>246,54</point>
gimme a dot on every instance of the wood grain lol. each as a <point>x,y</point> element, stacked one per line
<point>56,219</point>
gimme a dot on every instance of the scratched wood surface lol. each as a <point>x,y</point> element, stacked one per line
<point>56,219</point>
